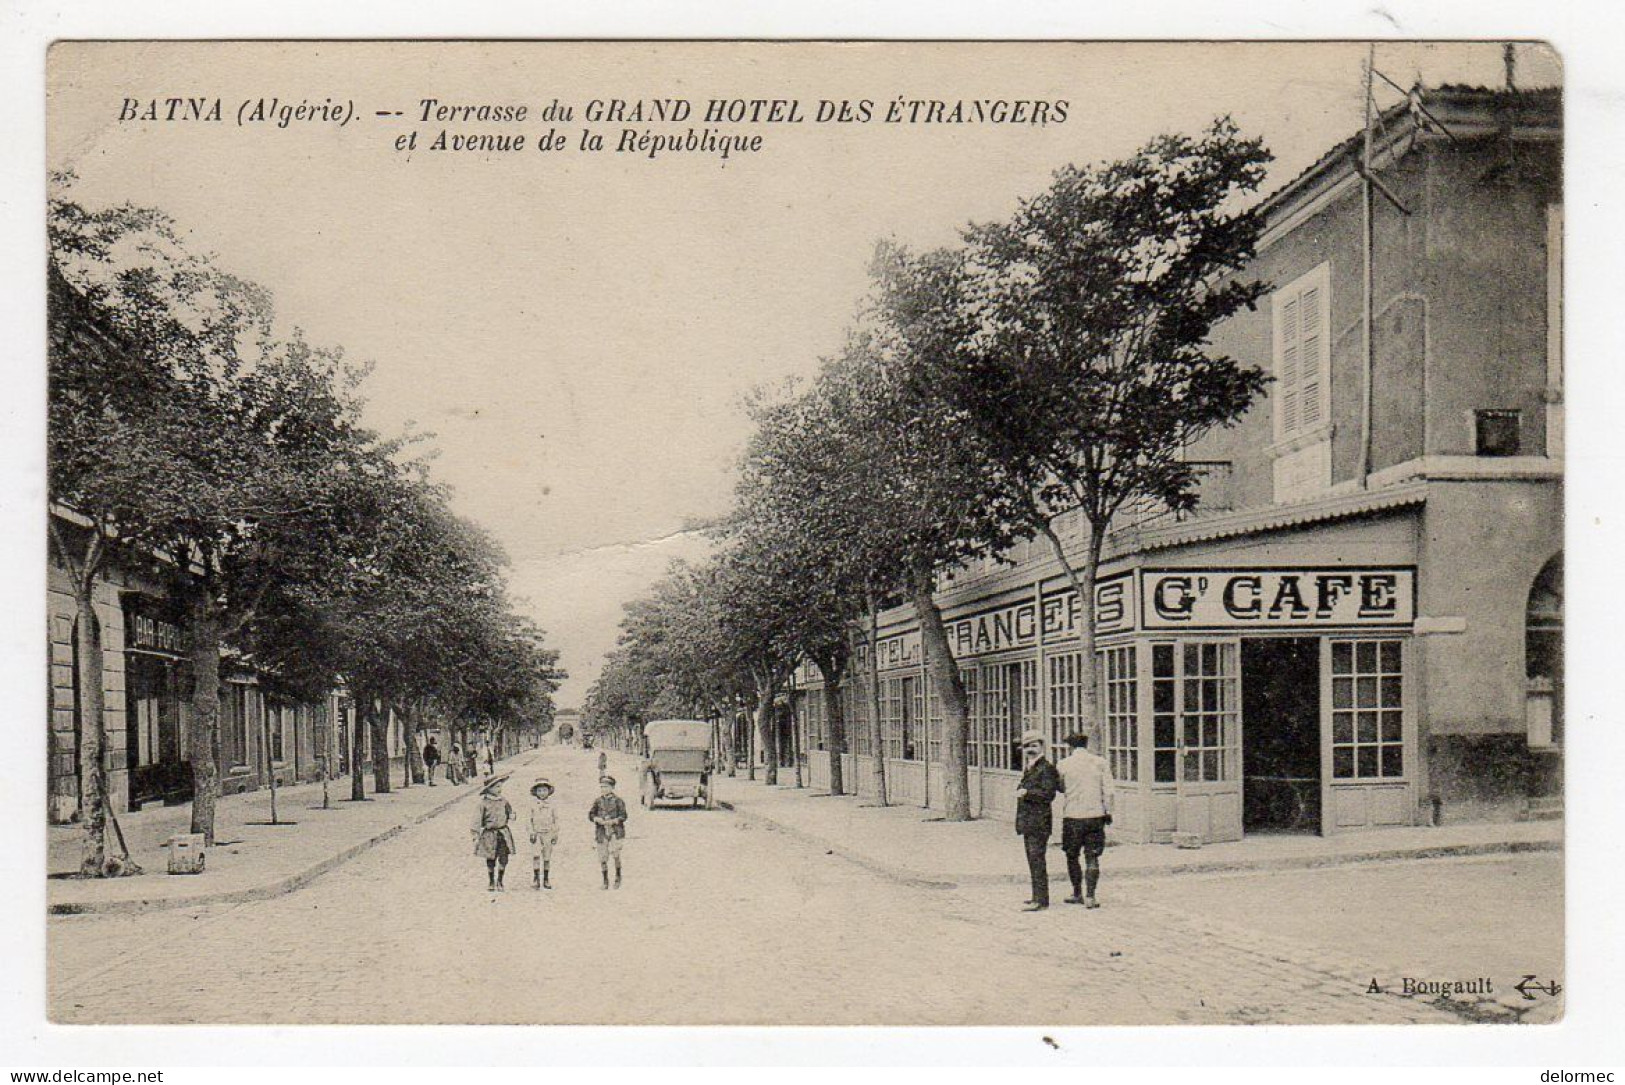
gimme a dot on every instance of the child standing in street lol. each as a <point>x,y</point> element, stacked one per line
<point>608,816</point>
<point>493,839</point>
<point>544,833</point>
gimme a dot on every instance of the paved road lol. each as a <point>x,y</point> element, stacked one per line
<point>718,923</point>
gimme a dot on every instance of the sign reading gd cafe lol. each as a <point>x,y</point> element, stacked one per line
<point>1276,598</point>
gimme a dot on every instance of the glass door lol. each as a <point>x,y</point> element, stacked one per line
<point>1208,739</point>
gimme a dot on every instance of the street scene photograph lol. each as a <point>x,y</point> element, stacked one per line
<point>729,533</point>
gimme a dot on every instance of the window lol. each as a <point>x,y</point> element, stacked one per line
<point>933,704</point>
<point>1302,312</point>
<point>912,710</point>
<point>973,704</point>
<point>1207,710</point>
<point>891,702</point>
<point>1063,695</point>
<point>995,716</point>
<point>812,709</point>
<point>1543,657</point>
<point>1496,433</point>
<point>276,717</point>
<point>1194,704</point>
<point>1117,673</point>
<point>1164,733</point>
<point>1368,716</point>
<point>234,725</point>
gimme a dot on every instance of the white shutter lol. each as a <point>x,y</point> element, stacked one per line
<point>1312,341</point>
<point>1287,368</point>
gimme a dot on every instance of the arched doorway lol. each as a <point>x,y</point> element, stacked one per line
<point>1543,657</point>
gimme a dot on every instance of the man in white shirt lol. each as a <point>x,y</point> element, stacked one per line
<point>1086,782</point>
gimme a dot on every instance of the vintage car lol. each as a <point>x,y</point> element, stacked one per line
<point>679,763</point>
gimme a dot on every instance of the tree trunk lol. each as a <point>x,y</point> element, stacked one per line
<point>380,748</point>
<point>767,728</point>
<point>265,757</point>
<point>205,737</point>
<point>358,743</point>
<point>1084,585</point>
<point>877,730</point>
<point>950,688</point>
<point>835,717</point>
<point>93,784</point>
<point>795,741</point>
<point>412,767</point>
<point>750,747</point>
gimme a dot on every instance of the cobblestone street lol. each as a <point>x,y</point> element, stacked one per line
<point>705,931</point>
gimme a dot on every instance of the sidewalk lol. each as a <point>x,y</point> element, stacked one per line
<point>251,860</point>
<point>913,844</point>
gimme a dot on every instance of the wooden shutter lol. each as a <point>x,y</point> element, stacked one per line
<point>1311,343</point>
<point>1287,375</point>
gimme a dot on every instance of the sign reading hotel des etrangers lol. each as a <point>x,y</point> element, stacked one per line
<point>1196,599</point>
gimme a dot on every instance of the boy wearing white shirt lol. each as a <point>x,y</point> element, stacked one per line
<point>1086,782</point>
<point>544,833</point>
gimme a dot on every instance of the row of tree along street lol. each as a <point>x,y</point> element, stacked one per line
<point>1055,361</point>
<point>188,430</point>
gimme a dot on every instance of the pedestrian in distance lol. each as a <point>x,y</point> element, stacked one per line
<point>544,833</point>
<point>490,760</point>
<point>493,839</point>
<point>603,762</point>
<point>608,816</point>
<point>1034,819</point>
<point>454,765</point>
<point>1086,781</point>
<point>431,758</point>
<point>471,763</point>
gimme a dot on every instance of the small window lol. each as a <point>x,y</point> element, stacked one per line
<point>1497,433</point>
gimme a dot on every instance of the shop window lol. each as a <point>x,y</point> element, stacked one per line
<point>1194,702</point>
<point>1118,692</point>
<point>1496,433</point>
<point>276,718</point>
<point>933,721</point>
<point>1368,716</point>
<point>973,706</point>
<point>913,714</point>
<point>1207,710</point>
<point>234,725</point>
<point>996,716</point>
<point>890,716</point>
<point>1063,694</point>
<point>1164,719</point>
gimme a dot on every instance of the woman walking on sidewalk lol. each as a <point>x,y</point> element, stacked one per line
<point>493,839</point>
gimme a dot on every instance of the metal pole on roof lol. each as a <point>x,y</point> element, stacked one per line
<point>1368,244</point>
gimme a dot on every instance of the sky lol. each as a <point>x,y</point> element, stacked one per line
<point>579,330</point>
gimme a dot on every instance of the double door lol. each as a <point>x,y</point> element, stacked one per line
<point>1196,697</point>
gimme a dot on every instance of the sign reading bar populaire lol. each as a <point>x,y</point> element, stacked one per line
<point>1275,598</point>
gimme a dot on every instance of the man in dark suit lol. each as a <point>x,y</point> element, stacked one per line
<point>1034,820</point>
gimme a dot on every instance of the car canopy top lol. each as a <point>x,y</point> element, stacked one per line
<point>678,735</point>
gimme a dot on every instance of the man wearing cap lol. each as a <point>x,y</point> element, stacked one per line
<point>608,816</point>
<point>544,833</point>
<point>1086,779</point>
<point>1034,820</point>
<point>493,839</point>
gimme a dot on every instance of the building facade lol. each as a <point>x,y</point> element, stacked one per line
<point>1361,626</point>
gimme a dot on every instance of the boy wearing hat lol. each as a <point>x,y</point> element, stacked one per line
<point>608,816</point>
<point>493,839</point>
<point>544,833</point>
<point>1034,819</point>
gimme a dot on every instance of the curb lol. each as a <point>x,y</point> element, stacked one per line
<point>1213,866</point>
<point>277,888</point>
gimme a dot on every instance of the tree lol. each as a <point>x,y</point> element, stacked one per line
<point>1087,371</point>
<point>146,341</point>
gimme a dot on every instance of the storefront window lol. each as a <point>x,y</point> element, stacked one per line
<point>1063,695</point>
<point>891,716</point>
<point>973,703</point>
<point>934,719</point>
<point>1368,722</point>
<point>1209,704</point>
<point>1117,675</point>
<point>1165,736</point>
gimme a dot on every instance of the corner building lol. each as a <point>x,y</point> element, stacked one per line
<point>1336,640</point>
